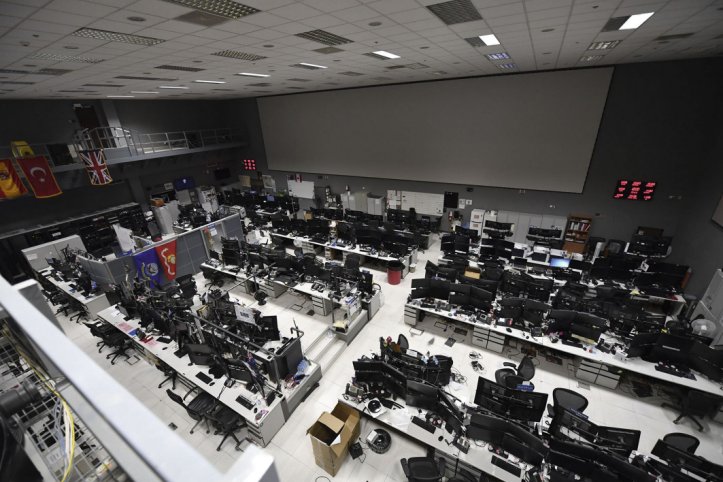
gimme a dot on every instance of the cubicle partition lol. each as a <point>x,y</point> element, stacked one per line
<point>37,255</point>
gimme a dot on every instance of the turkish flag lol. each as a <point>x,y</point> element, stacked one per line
<point>38,173</point>
<point>167,256</point>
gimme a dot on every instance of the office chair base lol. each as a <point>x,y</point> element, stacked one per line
<point>683,415</point>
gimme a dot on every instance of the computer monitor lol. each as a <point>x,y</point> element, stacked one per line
<point>459,299</point>
<point>522,450</point>
<point>642,344</point>
<point>671,349</point>
<point>421,394</point>
<point>269,328</point>
<point>420,293</point>
<point>579,265</point>
<point>573,422</point>
<point>527,406</point>
<point>239,370</point>
<point>487,428</point>
<point>707,361</point>
<point>200,354</point>
<point>586,333</point>
<point>690,462</point>
<point>558,262</point>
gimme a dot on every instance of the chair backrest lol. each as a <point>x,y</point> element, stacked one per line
<point>502,374</point>
<point>402,341</point>
<point>176,398</point>
<point>682,441</point>
<point>526,368</point>
<point>615,246</point>
<point>699,403</point>
<point>352,261</point>
<point>562,397</point>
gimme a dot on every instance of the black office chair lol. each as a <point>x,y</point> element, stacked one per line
<point>564,398</point>
<point>614,246</point>
<point>694,404</point>
<point>226,422</point>
<point>423,469</point>
<point>682,441</point>
<point>100,330</point>
<point>120,342</point>
<point>81,311</point>
<point>197,408</point>
<point>352,261</point>
<point>187,285</point>
<point>513,376</point>
<point>402,341</point>
<point>171,374</point>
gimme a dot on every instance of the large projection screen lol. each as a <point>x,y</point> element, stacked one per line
<point>526,131</point>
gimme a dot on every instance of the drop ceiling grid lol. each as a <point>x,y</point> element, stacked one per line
<point>406,26</point>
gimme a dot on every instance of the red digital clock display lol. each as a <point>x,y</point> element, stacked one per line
<point>635,190</point>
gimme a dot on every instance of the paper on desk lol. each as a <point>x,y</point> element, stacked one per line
<point>400,418</point>
<point>125,327</point>
<point>455,385</point>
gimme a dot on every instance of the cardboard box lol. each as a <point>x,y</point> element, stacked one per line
<point>331,435</point>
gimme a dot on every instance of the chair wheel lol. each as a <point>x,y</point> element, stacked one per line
<point>218,449</point>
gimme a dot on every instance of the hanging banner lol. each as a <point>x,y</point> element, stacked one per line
<point>38,173</point>
<point>167,257</point>
<point>10,184</point>
<point>96,167</point>
<point>148,267</point>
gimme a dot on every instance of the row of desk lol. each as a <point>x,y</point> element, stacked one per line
<point>595,366</point>
<point>358,310</point>
<point>93,303</point>
<point>263,421</point>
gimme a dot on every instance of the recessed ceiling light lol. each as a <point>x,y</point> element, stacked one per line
<point>136,19</point>
<point>374,24</point>
<point>70,47</point>
<point>305,65</point>
<point>591,58</point>
<point>548,30</point>
<point>425,47</point>
<point>384,54</point>
<point>607,45</point>
<point>324,37</point>
<point>65,58</point>
<point>222,8</point>
<point>507,66</point>
<point>172,87</point>
<point>209,81</point>
<point>455,11</point>
<point>251,74</point>
<point>116,36</point>
<point>489,39</point>
<point>143,92</point>
<point>269,46</point>
<point>235,54</point>
<point>636,21</point>
<point>498,56</point>
<point>120,96</point>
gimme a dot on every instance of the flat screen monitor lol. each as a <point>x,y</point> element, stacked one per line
<point>239,370</point>
<point>459,299</point>
<point>672,349</point>
<point>183,183</point>
<point>557,262</point>
<point>580,265</point>
<point>707,361</point>
<point>585,333</point>
<point>269,328</point>
<point>421,394</point>
<point>223,173</point>
<point>642,344</point>
<point>419,293</point>
<point>487,428</point>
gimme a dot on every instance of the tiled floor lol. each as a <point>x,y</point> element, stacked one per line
<point>291,447</point>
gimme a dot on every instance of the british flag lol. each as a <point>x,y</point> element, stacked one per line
<point>96,167</point>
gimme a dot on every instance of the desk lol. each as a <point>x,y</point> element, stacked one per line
<point>322,301</point>
<point>597,367</point>
<point>93,303</point>
<point>263,421</point>
<point>475,460</point>
<point>329,248</point>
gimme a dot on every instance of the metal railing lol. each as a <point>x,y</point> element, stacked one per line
<point>137,143</point>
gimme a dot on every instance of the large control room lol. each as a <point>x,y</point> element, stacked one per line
<point>361,240</point>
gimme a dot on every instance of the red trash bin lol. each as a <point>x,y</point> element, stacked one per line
<point>394,272</point>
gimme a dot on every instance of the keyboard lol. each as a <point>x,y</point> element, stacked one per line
<point>203,377</point>
<point>675,371</point>
<point>507,466</point>
<point>571,343</point>
<point>245,402</point>
<point>424,424</point>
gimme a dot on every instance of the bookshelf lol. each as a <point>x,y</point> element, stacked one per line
<point>576,232</point>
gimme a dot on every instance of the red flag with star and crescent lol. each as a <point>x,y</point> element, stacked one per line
<point>38,173</point>
<point>167,256</point>
<point>96,167</point>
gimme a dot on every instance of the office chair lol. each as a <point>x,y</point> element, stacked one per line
<point>564,398</point>
<point>682,441</point>
<point>197,408</point>
<point>187,285</point>
<point>614,246</point>
<point>402,341</point>
<point>171,374</point>
<point>352,261</point>
<point>100,330</point>
<point>120,342</point>
<point>592,242</point>
<point>423,469</point>
<point>226,422</point>
<point>694,404</point>
<point>81,311</point>
<point>513,376</point>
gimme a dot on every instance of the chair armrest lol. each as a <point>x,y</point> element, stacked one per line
<point>509,364</point>
<point>190,392</point>
<point>405,468</point>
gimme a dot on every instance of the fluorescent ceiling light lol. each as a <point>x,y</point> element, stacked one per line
<point>636,21</point>
<point>116,36</point>
<point>209,81</point>
<point>250,74</point>
<point>120,96</point>
<point>172,87</point>
<point>143,92</point>
<point>386,54</point>
<point>313,66</point>
<point>489,39</point>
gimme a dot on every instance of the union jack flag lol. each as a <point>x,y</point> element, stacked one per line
<point>96,167</point>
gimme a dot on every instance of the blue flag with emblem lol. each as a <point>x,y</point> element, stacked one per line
<point>148,267</point>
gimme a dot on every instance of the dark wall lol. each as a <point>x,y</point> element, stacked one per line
<point>151,116</point>
<point>39,121</point>
<point>656,126</point>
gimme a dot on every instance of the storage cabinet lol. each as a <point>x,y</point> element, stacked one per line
<point>577,232</point>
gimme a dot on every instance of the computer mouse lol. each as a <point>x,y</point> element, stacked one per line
<point>509,330</point>
<point>554,340</point>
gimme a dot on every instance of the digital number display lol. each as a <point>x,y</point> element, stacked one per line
<point>635,190</point>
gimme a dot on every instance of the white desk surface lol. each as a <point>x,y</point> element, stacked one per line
<point>340,248</point>
<point>227,395</point>
<point>478,457</point>
<point>65,286</point>
<point>635,365</point>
